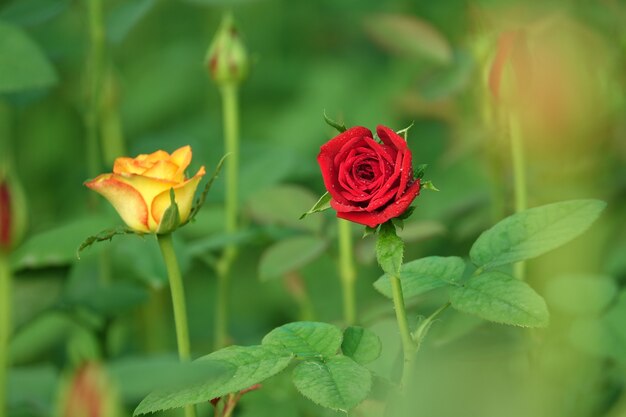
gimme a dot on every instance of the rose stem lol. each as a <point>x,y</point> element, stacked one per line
<point>409,347</point>
<point>347,271</point>
<point>95,69</point>
<point>5,327</point>
<point>230,109</point>
<point>178,303</point>
<point>519,178</point>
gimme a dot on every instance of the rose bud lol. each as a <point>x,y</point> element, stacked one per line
<point>12,212</point>
<point>227,59</point>
<point>139,188</point>
<point>89,392</point>
<point>369,182</point>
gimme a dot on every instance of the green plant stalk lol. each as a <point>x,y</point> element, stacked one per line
<point>178,303</point>
<point>230,110</point>
<point>519,178</point>
<point>5,328</point>
<point>347,271</point>
<point>95,71</point>
<point>409,347</point>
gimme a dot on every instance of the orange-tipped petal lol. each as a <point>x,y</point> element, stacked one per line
<point>182,157</point>
<point>155,156</point>
<point>124,165</point>
<point>128,202</point>
<point>165,170</point>
<point>184,198</point>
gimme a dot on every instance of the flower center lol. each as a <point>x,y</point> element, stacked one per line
<point>365,172</point>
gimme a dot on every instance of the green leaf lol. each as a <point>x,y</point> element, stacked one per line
<point>227,371</point>
<point>423,275</point>
<point>360,344</point>
<point>322,204</point>
<point>533,232</point>
<point>171,217</point>
<point>410,37</point>
<point>124,17</point>
<point>289,255</point>
<point>105,236</point>
<point>340,127</point>
<point>57,246</point>
<point>428,185</point>
<point>338,383</point>
<point>32,388</point>
<point>500,298</point>
<point>32,12</point>
<point>283,205</point>
<point>306,338</point>
<point>22,64</point>
<point>389,249</point>
<point>40,335</point>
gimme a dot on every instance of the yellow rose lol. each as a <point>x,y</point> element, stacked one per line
<point>139,188</point>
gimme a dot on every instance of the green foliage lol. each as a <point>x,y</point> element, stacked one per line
<point>306,339</point>
<point>282,205</point>
<point>57,246</point>
<point>202,198</point>
<point>338,383</point>
<point>580,294</point>
<point>389,249</point>
<point>423,275</point>
<point>31,12</point>
<point>289,255</point>
<point>500,298</point>
<point>107,236</point>
<point>322,204</point>
<point>360,344</point>
<point>222,372</point>
<point>121,20</point>
<point>22,64</point>
<point>533,232</point>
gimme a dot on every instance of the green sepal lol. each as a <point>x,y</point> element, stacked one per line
<point>106,235</point>
<point>389,249</point>
<point>404,132</point>
<point>200,201</point>
<point>340,127</point>
<point>428,185</point>
<point>418,172</point>
<point>370,231</point>
<point>322,204</point>
<point>171,217</point>
<point>407,213</point>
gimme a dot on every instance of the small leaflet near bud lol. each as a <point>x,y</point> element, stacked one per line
<point>340,127</point>
<point>389,249</point>
<point>322,204</point>
<point>428,185</point>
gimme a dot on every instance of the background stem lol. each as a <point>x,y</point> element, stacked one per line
<point>519,178</point>
<point>95,70</point>
<point>5,328</point>
<point>178,303</point>
<point>408,346</point>
<point>230,106</point>
<point>347,271</point>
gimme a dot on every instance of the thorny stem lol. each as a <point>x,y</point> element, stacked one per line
<point>347,271</point>
<point>178,303</point>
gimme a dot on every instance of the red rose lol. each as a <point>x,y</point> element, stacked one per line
<point>369,182</point>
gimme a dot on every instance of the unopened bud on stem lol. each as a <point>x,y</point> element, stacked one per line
<point>227,59</point>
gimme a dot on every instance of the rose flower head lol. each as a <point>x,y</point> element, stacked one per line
<point>369,182</point>
<point>139,188</point>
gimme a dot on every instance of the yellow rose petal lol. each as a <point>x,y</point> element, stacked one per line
<point>165,170</point>
<point>126,165</point>
<point>182,158</point>
<point>184,198</point>
<point>128,202</point>
<point>149,188</point>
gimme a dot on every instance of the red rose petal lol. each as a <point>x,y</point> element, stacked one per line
<point>391,138</point>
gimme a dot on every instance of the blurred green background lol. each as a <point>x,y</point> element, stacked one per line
<point>364,62</point>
